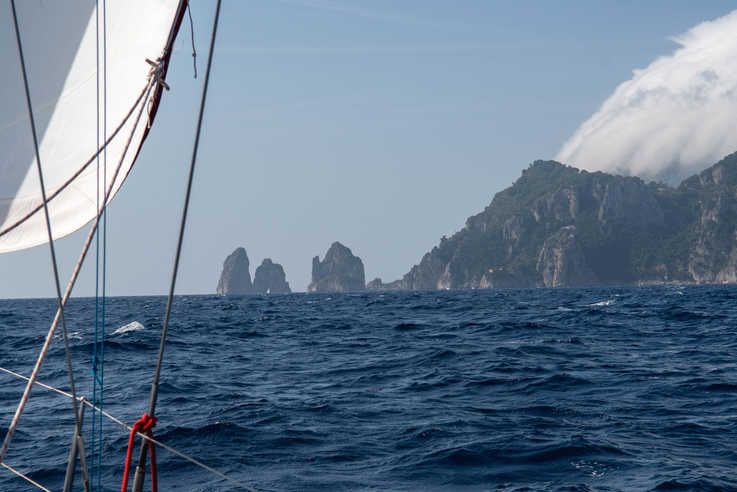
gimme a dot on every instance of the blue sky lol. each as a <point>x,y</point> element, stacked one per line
<point>380,124</point>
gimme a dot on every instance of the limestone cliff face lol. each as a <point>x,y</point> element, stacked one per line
<point>236,277</point>
<point>713,255</point>
<point>270,278</point>
<point>562,262</point>
<point>340,271</point>
<point>560,226</point>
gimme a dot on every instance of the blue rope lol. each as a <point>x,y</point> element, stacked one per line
<point>93,367</point>
<point>104,247</point>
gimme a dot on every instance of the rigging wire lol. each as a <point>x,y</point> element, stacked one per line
<point>25,477</point>
<point>93,434</point>
<point>116,420</point>
<point>138,479</point>
<point>14,422</point>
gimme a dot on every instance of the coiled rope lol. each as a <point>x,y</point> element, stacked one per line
<point>149,439</point>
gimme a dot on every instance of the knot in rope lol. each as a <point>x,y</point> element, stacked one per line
<point>144,425</point>
<point>146,422</point>
<point>157,72</point>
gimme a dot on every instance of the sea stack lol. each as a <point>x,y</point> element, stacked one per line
<point>236,277</point>
<point>339,271</point>
<point>378,284</point>
<point>270,279</point>
<point>375,284</point>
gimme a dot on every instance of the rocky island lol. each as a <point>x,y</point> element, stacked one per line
<point>561,226</point>
<point>236,276</point>
<point>270,279</point>
<point>340,271</point>
<point>556,226</point>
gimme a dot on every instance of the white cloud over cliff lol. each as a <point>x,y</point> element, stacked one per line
<point>673,118</point>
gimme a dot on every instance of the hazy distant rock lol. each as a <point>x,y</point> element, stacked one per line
<point>270,278</point>
<point>377,284</point>
<point>340,271</point>
<point>236,277</point>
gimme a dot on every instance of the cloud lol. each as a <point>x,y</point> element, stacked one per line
<point>673,118</point>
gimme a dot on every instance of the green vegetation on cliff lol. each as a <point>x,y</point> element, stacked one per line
<point>557,226</point>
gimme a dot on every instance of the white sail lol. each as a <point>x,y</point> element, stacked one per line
<point>60,41</point>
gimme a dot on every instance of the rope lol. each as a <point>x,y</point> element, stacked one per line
<point>57,284</point>
<point>98,361</point>
<point>155,384</point>
<point>70,286</point>
<point>25,477</point>
<point>191,30</point>
<point>144,425</point>
<point>149,439</point>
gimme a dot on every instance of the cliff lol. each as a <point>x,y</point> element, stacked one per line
<point>339,271</point>
<point>561,226</point>
<point>236,277</point>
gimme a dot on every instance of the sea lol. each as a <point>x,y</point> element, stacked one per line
<point>595,389</point>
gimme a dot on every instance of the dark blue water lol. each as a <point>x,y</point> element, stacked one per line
<point>569,389</point>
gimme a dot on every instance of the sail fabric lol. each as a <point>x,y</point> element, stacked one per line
<point>60,45</point>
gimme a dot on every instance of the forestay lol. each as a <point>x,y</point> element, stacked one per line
<point>60,47</point>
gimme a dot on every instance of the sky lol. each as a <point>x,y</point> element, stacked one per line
<point>379,124</point>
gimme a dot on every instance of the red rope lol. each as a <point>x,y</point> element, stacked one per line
<point>144,426</point>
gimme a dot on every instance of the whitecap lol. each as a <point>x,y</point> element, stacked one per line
<point>602,303</point>
<point>132,326</point>
<point>72,335</point>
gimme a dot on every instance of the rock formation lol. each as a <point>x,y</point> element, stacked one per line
<point>377,284</point>
<point>270,278</point>
<point>560,226</point>
<point>236,277</point>
<point>340,271</point>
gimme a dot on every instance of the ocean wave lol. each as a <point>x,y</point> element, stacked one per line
<point>407,326</point>
<point>209,432</point>
<point>699,485</point>
<point>558,382</point>
<point>608,302</point>
<point>132,326</point>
